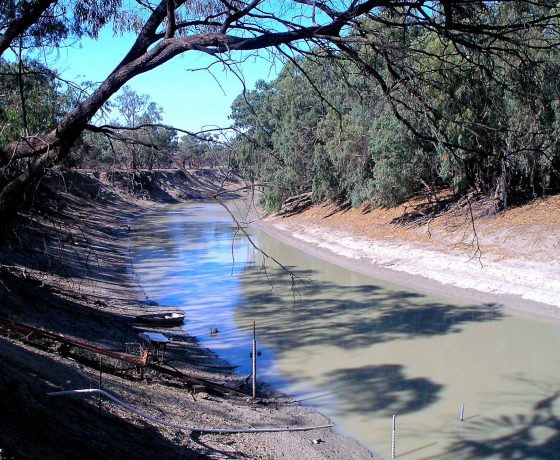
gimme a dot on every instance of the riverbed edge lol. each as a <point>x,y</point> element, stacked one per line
<point>290,234</point>
<point>112,292</point>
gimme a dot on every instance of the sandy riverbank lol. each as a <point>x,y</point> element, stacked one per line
<point>518,265</point>
<point>68,272</point>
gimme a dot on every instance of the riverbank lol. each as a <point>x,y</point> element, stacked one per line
<point>67,270</point>
<point>511,259</point>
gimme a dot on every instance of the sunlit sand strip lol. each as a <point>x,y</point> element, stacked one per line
<point>530,280</point>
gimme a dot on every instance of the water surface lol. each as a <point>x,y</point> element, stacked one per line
<point>358,349</point>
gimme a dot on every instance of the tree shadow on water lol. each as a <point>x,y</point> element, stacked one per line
<point>381,390</point>
<point>348,316</point>
<point>531,435</point>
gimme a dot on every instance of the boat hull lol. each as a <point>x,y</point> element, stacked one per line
<point>162,319</point>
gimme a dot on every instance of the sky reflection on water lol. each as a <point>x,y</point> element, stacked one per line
<point>358,349</point>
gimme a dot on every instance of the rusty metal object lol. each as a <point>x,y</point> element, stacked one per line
<point>138,361</point>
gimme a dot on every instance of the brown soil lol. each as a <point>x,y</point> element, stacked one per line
<point>463,250</point>
<point>531,231</point>
<point>65,268</point>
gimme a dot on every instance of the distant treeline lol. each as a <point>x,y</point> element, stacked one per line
<point>382,123</point>
<point>132,134</point>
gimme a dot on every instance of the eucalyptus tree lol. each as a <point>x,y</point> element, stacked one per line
<point>278,124</point>
<point>225,29</point>
<point>481,107</point>
<point>29,101</point>
<point>140,137</point>
<point>421,106</point>
<point>193,152</point>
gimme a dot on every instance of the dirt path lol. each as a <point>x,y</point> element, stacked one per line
<point>66,270</point>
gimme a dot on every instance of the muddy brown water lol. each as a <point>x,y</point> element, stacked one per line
<point>357,349</point>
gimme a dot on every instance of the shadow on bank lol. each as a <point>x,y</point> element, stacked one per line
<point>32,425</point>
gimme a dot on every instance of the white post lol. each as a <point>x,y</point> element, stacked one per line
<point>100,378</point>
<point>254,361</point>
<point>462,415</point>
<point>393,436</point>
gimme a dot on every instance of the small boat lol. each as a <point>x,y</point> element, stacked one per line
<point>162,319</point>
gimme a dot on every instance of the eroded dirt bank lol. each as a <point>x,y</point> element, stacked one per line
<point>65,269</point>
<point>510,259</point>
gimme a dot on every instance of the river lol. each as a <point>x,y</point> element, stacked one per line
<point>358,349</point>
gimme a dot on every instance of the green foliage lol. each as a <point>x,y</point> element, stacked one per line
<point>197,152</point>
<point>397,170</point>
<point>30,100</point>
<point>401,121</point>
<point>63,19</point>
<point>412,97</point>
<point>136,140</point>
<point>269,149</point>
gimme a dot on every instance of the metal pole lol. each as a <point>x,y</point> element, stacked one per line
<point>462,415</point>
<point>393,436</point>
<point>100,378</point>
<point>254,361</point>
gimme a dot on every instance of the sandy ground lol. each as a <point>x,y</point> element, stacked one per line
<point>66,270</point>
<point>510,259</point>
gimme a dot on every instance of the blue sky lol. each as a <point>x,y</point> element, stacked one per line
<point>190,100</point>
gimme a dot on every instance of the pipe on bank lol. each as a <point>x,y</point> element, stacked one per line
<point>184,427</point>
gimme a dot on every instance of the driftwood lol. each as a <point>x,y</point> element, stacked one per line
<point>296,204</point>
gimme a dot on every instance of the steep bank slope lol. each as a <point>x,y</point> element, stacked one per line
<point>65,269</point>
<point>511,258</point>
